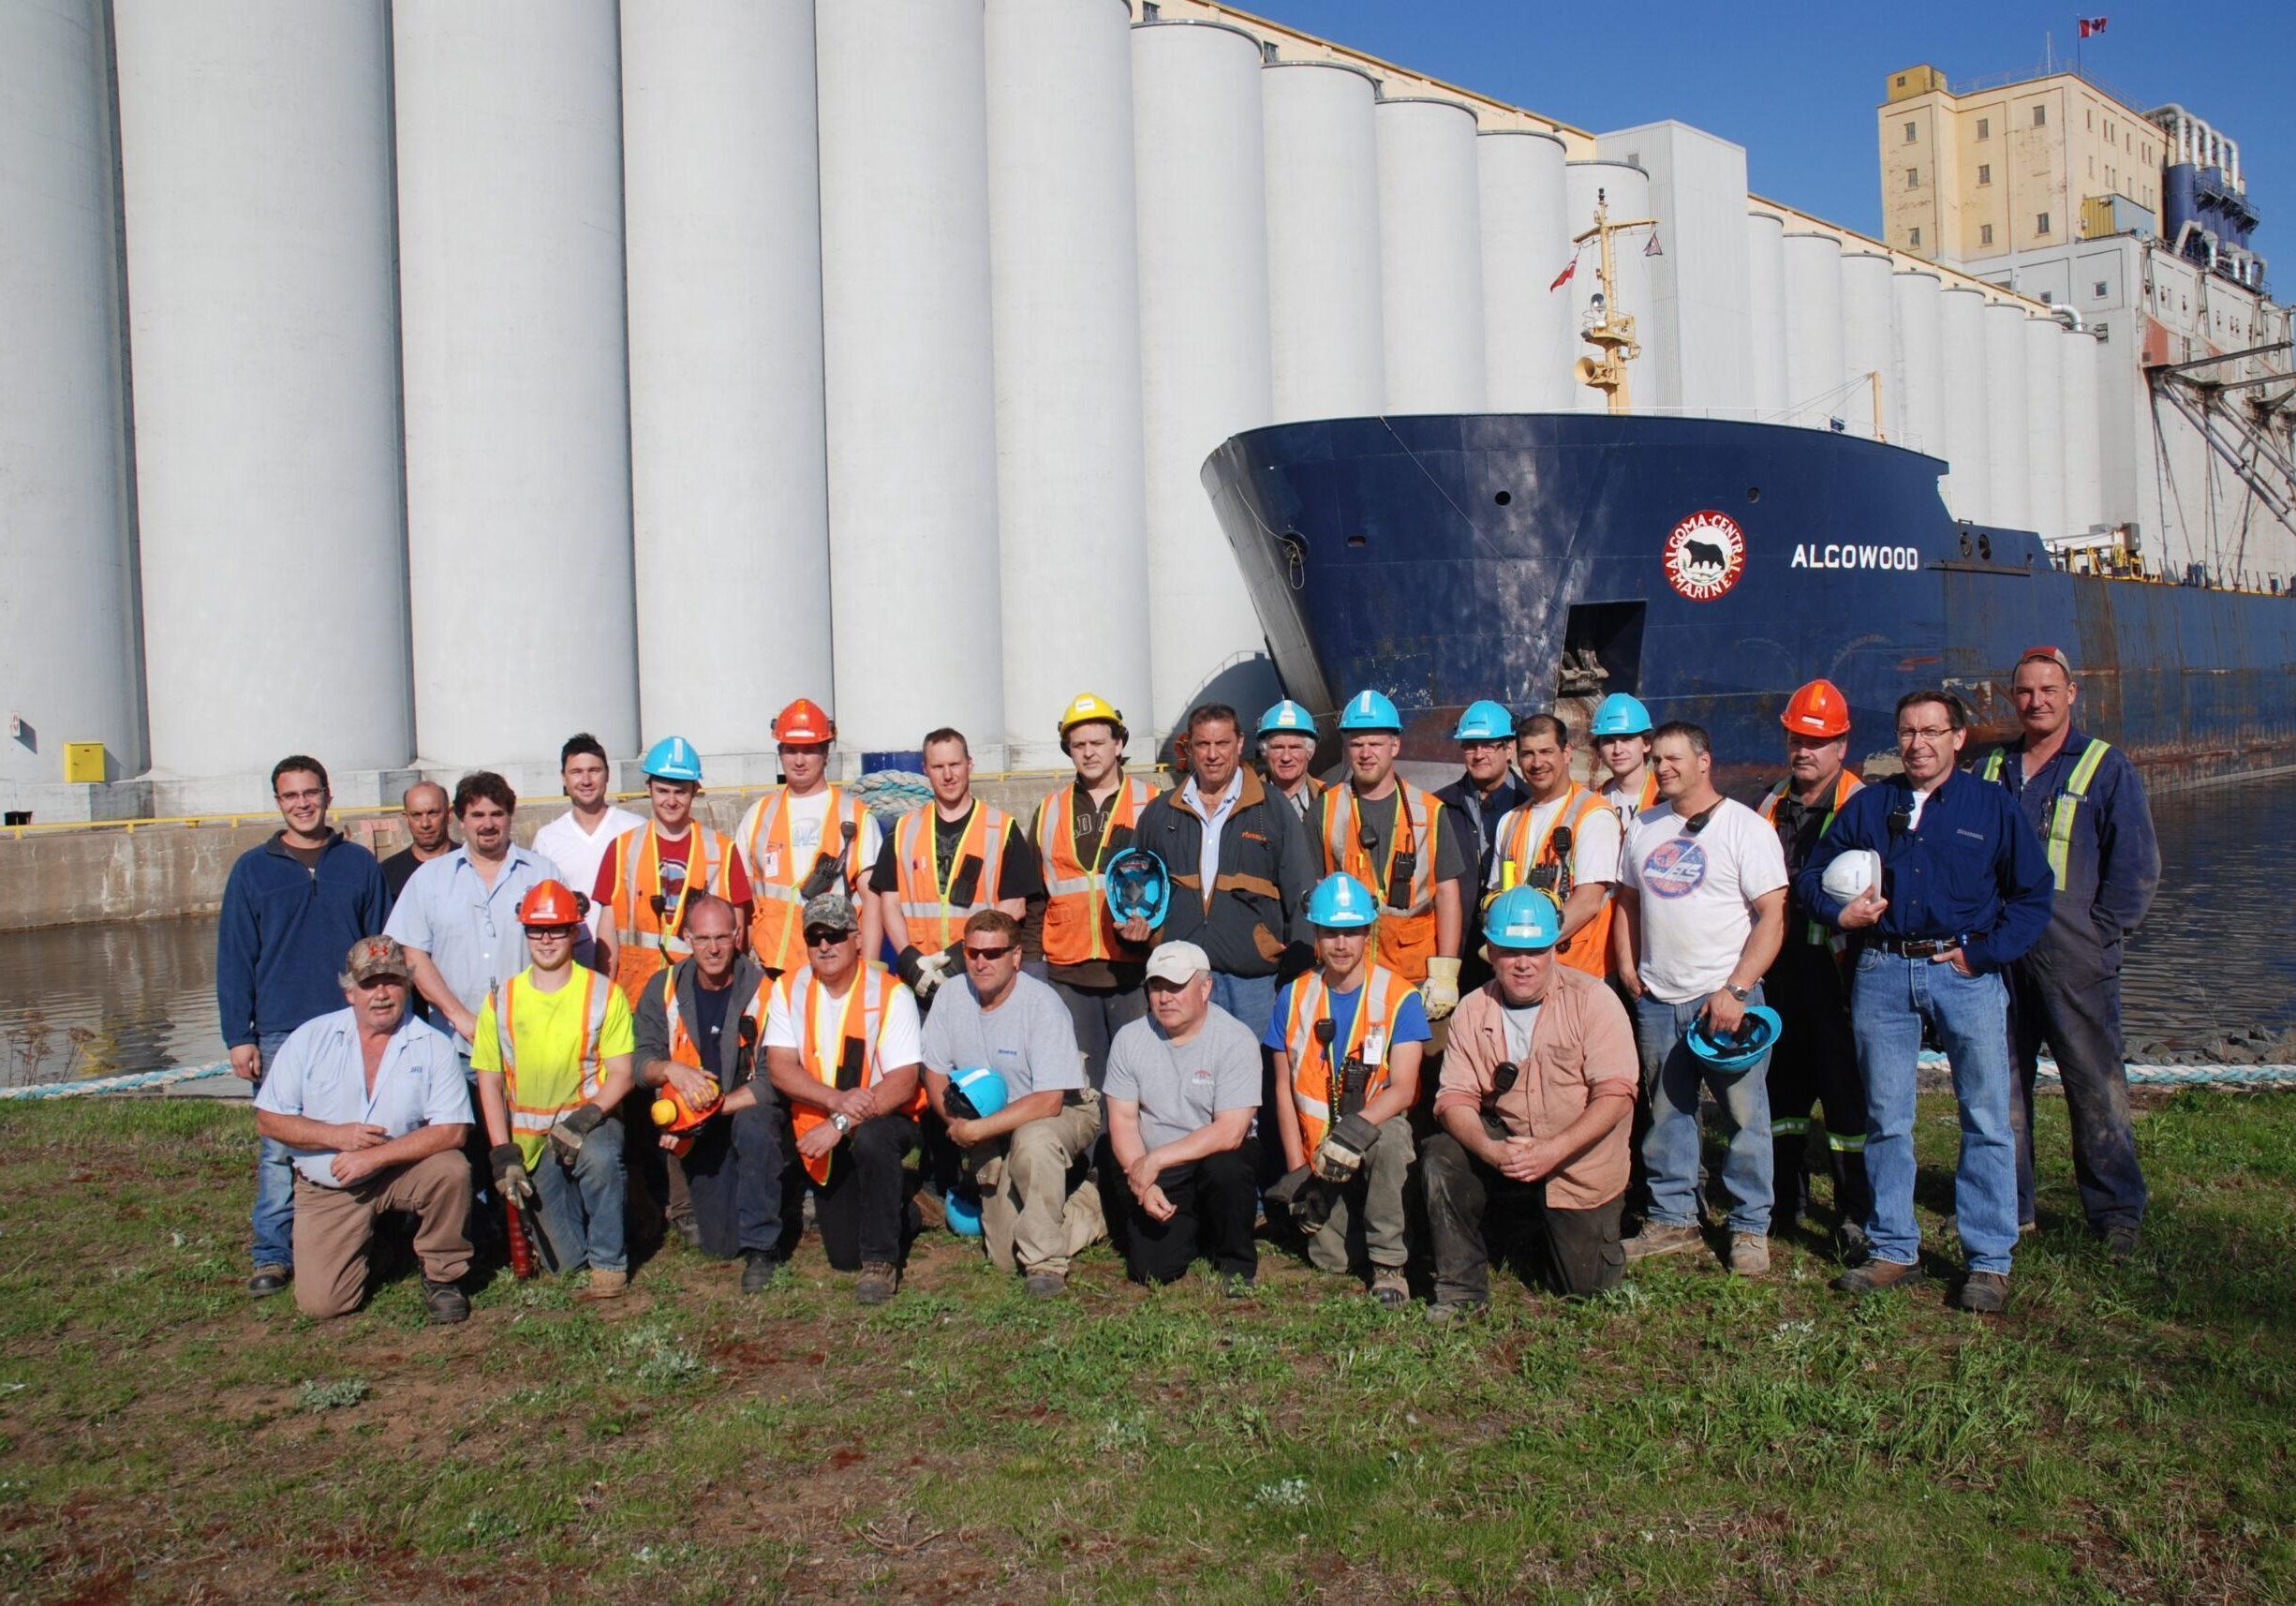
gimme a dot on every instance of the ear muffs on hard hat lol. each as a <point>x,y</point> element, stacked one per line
<point>1287,717</point>
<point>1341,903</point>
<point>1755,1037</point>
<point>1484,721</point>
<point>976,1093</point>
<point>1370,711</point>
<point>1619,715</point>
<point>549,903</point>
<point>673,758</point>
<point>1524,918</point>
<point>805,723</point>
<point>1817,709</point>
<point>1138,887</point>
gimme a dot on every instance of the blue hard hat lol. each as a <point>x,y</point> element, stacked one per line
<point>1138,887</point>
<point>1370,711</point>
<point>1753,1039</point>
<point>1288,716</point>
<point>961,1209</point>
<point>673,758</point>
<point>1484,721</point>
<point>1618,715</point>
<point>1341,903</point>
<point>976,1093</point>
<point>1524,918</point>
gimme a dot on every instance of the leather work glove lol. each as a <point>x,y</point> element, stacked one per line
<point>932,970</point>
<point>1340,1156</point>
<point>1439,991</point>
<point>1296,960</point>
<point>576,1124</point>
<point>509,1162</point>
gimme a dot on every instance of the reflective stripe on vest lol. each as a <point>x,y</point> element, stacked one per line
<point>866,997</point>
<point>924,892</point>
<point>1405,938</point>
<point>638,883</point>
<point>1845,786</point>
<point>1588,948</point>
<point>2072,793</point>
<point>776,933</point>
<point>1077,926</point>
<point>548,1092</point>
<point>1313,1072</point>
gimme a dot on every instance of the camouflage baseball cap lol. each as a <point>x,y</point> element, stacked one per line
<point>829,912</point>
<point>373,957</point>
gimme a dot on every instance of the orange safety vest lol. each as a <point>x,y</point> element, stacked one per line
<point>1077,926</point>
<point>777,934</point>
<point>684,1051</point>
<point>1588,948</point>
<point>548,1092</point>
<point>1405,938</point>
<point>930,922</point>
<point>862,1022</point>
<point>646,940</point>
<point>1315,1074</point>
<point>1844,786</point>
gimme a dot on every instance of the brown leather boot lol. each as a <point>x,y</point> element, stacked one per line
<point>1876,1275</point>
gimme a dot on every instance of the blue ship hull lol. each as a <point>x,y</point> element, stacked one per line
<point>1709,567</point>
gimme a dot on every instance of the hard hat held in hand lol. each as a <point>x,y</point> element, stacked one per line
<point>976,1093</point>
<point>1288,718</point>
<point>1619,715</point>
<point>1138,887</point>
<point>549,903</point>
<point>1484,721</point>
<point>1851,873</point>
<point>673,758</point>
<point>1370,711</point>
<point>1341,903</point>
<point>1756,1034</point>
<point>804,723</point>
<point>1817,709</point>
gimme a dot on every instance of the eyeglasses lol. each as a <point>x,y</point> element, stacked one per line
<point>311,795</point>
<point>548,934</point>
<point>822,937</point>
<point>986,956</point>
<point>1925,733</point>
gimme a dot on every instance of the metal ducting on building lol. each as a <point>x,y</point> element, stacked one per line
<point>2008,445</point>
<point>1868,340</point>
<point>1327,354</point>
<point>1626,191</point>
<point>1916,363</point>
<point>2045,423</point>
<point>1528,340</point>
<point>1766,301</point>
<point>1430,256</point>
<point>1968,443</point>
<point>1816,373</point>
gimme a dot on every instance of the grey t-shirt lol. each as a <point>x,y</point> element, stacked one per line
<point>1181,1086</point>
<point>1518,1024</point>
<point>1028,1039</point>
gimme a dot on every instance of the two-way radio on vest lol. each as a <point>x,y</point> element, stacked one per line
<point>1555,877</point>
<point>967,883</point>
<point>1503,1079</point>
<point>827,865</point>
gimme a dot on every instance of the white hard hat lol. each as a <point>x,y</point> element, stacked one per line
<point>1851,872</point>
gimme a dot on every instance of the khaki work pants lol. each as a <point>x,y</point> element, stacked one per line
<point>1029,1217</point>
<point>1366,1218</point>
<point>336,1227</point>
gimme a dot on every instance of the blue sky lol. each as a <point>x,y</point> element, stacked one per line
<point>1796,84</point>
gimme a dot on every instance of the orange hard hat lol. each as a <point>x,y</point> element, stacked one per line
<point>805,723</point>
<point>549,903</point>
<point>1819,709</point>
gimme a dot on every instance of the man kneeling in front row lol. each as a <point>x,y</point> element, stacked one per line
<point>1182,1089</point>
<point>372,1106</point>
<point>1538,1088</point>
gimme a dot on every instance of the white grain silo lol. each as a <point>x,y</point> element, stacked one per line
<point>68,636</point>
<point>1326,355</point>
<point>2084,490</point>
<point>1969,413</point>
<point>2005,383</point>
<point>255,157</point>
<point>1917,362</point>
<point>1867,340</point>
<point>1204,350</point>
<point>509,191</point>
<point>1065,278</point>
<point>1528,340</point>
<point>905,297</point>
<point>730,495</point>
<point>1430,256</point>
<point>1625,191</point>
<point>1816,372</point>
<point>2045,422</point>
<point>1766,301</point>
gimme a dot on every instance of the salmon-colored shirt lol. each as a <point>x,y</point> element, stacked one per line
<point>1581,1046</point>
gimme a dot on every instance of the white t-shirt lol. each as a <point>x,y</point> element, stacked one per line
<point>577,853</point>
<point>807,815</point>
<point>1594,846</point>
<point>1624,801</point>
<point>1697,894</point>
<point>900,1038</point>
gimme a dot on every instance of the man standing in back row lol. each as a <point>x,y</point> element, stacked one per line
<point>2083,798</point>
<point>423,808</point>
<point>577,840</point>
<point>944,862</point>
<point>803,838</point>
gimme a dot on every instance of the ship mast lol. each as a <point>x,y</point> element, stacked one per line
<point>1610,331</point>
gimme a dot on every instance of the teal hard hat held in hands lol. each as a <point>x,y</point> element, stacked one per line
<point>1619,715</point>
<point>1341,903</point>
<point>1523,919</point>
<point>673,758</point>
<point>976,1093</point>
<point>1756,1034</point>
<point>1138,887</point>
<point>1370,711</point>
<point>1485,722</point>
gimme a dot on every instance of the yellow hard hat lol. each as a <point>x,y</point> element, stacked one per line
<point>1089,706</point>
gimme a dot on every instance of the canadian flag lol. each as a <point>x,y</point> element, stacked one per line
<point>2092,25</point>
<point>1564,277</point>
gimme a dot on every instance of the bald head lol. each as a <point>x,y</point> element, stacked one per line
<point>425,810</point>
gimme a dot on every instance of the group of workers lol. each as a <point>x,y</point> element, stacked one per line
<point>1424,1029</point>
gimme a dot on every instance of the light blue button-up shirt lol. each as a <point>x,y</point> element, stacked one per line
<point>321,1075</point>
<point>469,929</point>
<point>1214,816</point>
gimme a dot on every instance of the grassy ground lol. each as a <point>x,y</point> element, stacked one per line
<point>2125,1435</point>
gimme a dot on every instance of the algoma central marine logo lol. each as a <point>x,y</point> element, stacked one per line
<point>1705,555</point>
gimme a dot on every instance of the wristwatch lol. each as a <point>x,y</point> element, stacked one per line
<point>1739,993</point>
<point>841,1121</point>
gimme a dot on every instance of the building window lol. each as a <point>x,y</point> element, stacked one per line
<point>2041,116</point>
<point>2040,224</point>
<point>2097,291</point>
<point>1914,238</point>
<point>1912,132</point>
<point>1985,233</point>
<point>1985,127</point>
<point>1985,172</point>
<point>1913,178</point>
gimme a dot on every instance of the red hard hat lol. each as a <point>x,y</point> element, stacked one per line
<point>1819,709</point>
<point>805,723</point>
<point>549,903</point>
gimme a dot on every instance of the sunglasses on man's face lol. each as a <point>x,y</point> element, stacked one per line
<point>986,956</point>
<point>822,937</point>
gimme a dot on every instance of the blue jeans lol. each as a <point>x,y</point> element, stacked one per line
<point>1889,1000</point>
<point>273,1216</point>
<point>583,1203</point>
<point>1674,1074</point>
<point>1251,999</point>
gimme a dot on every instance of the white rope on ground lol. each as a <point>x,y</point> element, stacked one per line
<point>134,1082</point>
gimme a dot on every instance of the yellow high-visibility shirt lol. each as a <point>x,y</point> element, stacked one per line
<point>557,1067</point>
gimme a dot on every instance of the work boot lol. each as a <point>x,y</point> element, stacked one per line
<point>1851,1246</point>
<point>605,1285</point>
<point>1389,1287</point>
<point>268,1280</point>
<point>445,1304</point>
<point>1749,1255</point>
<point>1987,1293</point>
<point>757,1271</point>
<point>878,1282</point>
<point>1876,1276</point>
<point>2121,1242</point>
<point>1452,1312</point>
<point>1662,1237</point>
<point>1045,1285</point>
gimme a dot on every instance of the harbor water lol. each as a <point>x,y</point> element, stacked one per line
<point>2218,955</point>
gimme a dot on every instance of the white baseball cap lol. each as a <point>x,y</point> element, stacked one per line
<point>1178,963</point>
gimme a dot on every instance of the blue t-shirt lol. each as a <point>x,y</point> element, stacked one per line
<point>1410,1021</point>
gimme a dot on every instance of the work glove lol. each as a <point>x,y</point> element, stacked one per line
<point>1439,991</point>
<point>576,1124</point>
<point>511,1179</point>
<point>1340,1156</point>
<point>932,970</point>
<point>1305,1199</point>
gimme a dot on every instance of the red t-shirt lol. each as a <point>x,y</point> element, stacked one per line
<point>673,856</point>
